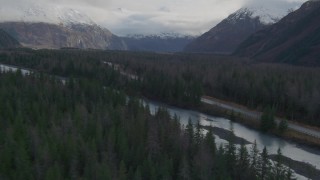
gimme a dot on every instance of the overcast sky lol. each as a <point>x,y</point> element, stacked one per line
<point>154,16</point>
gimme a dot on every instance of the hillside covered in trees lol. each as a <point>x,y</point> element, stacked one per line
<point>6,41</point>
<point>295,39</point>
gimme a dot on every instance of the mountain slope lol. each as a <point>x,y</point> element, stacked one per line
<point>52,36</point>
<point>295,39</point>
<point>157,43</point>
<point>35,13</point>
<point>225,37</point>
<point>6,41</point>
<point>38,27</point>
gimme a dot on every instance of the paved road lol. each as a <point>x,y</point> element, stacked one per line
<point>257,115</point>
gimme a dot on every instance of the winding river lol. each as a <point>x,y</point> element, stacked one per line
<point>290,149</point>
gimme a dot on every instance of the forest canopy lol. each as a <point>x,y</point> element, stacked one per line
<point>82,129</point>
<point>181,79</point>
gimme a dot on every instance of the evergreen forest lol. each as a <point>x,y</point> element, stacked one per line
<point>293,92</point>
<point>76,117</point>
<point>81,129</point>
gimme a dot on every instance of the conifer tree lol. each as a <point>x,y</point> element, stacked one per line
<point>267,119</point>
<point>254,159</point>
<point>265,165</point>
<point>279,170</point>
<point>210,142</point>
<point>243,162</point>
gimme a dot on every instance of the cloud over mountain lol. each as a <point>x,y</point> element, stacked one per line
<point>146,16</point>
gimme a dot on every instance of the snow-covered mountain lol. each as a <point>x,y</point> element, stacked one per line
<point>163,42</point>
<point>225,37</point>
<point>38,26</point>
<point>262,14</point>
<point>37,13</point>
<point>295,39</point>
<point>266,15</point>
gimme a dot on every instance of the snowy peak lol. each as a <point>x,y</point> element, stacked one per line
<point>71,16</point>
<point>267,15</point>
<point>227,35</point>
<point>261,14</point>
<point>38,13</point>
<point>295,39</point>
<point>43,26</point>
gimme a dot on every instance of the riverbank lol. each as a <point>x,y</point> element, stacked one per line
<point>302,168</point>
<point>253,122</point>
<point>227,135</point>
<point>296,132</point>
<point>227,110</point>
<point>256,115</point>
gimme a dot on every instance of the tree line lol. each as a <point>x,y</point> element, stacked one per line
<point>181,79</point>
<point>292,91</point>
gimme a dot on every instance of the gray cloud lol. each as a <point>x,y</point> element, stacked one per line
<point>153,16</point>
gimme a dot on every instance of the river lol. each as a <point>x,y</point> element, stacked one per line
<point>290,149</point>
<point>7,68</point>
<point>24,71</point>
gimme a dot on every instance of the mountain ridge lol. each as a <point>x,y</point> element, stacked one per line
<point>295,39</point>
<point>36,13</point>
<point>51,36</point>
<point>56,27</point>
<point>163,42</point>
<point>227,35</point>
<point>6,41</point>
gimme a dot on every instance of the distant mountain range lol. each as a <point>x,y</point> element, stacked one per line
<point>6,41</point>
<point>163,42</point>
<point>295,39</point>
<point>55,27</point>
<point>226,36</point>
<point>52,28</point>
<point>34,13</point>
<point>52,36</point>
<point>258,32</point>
